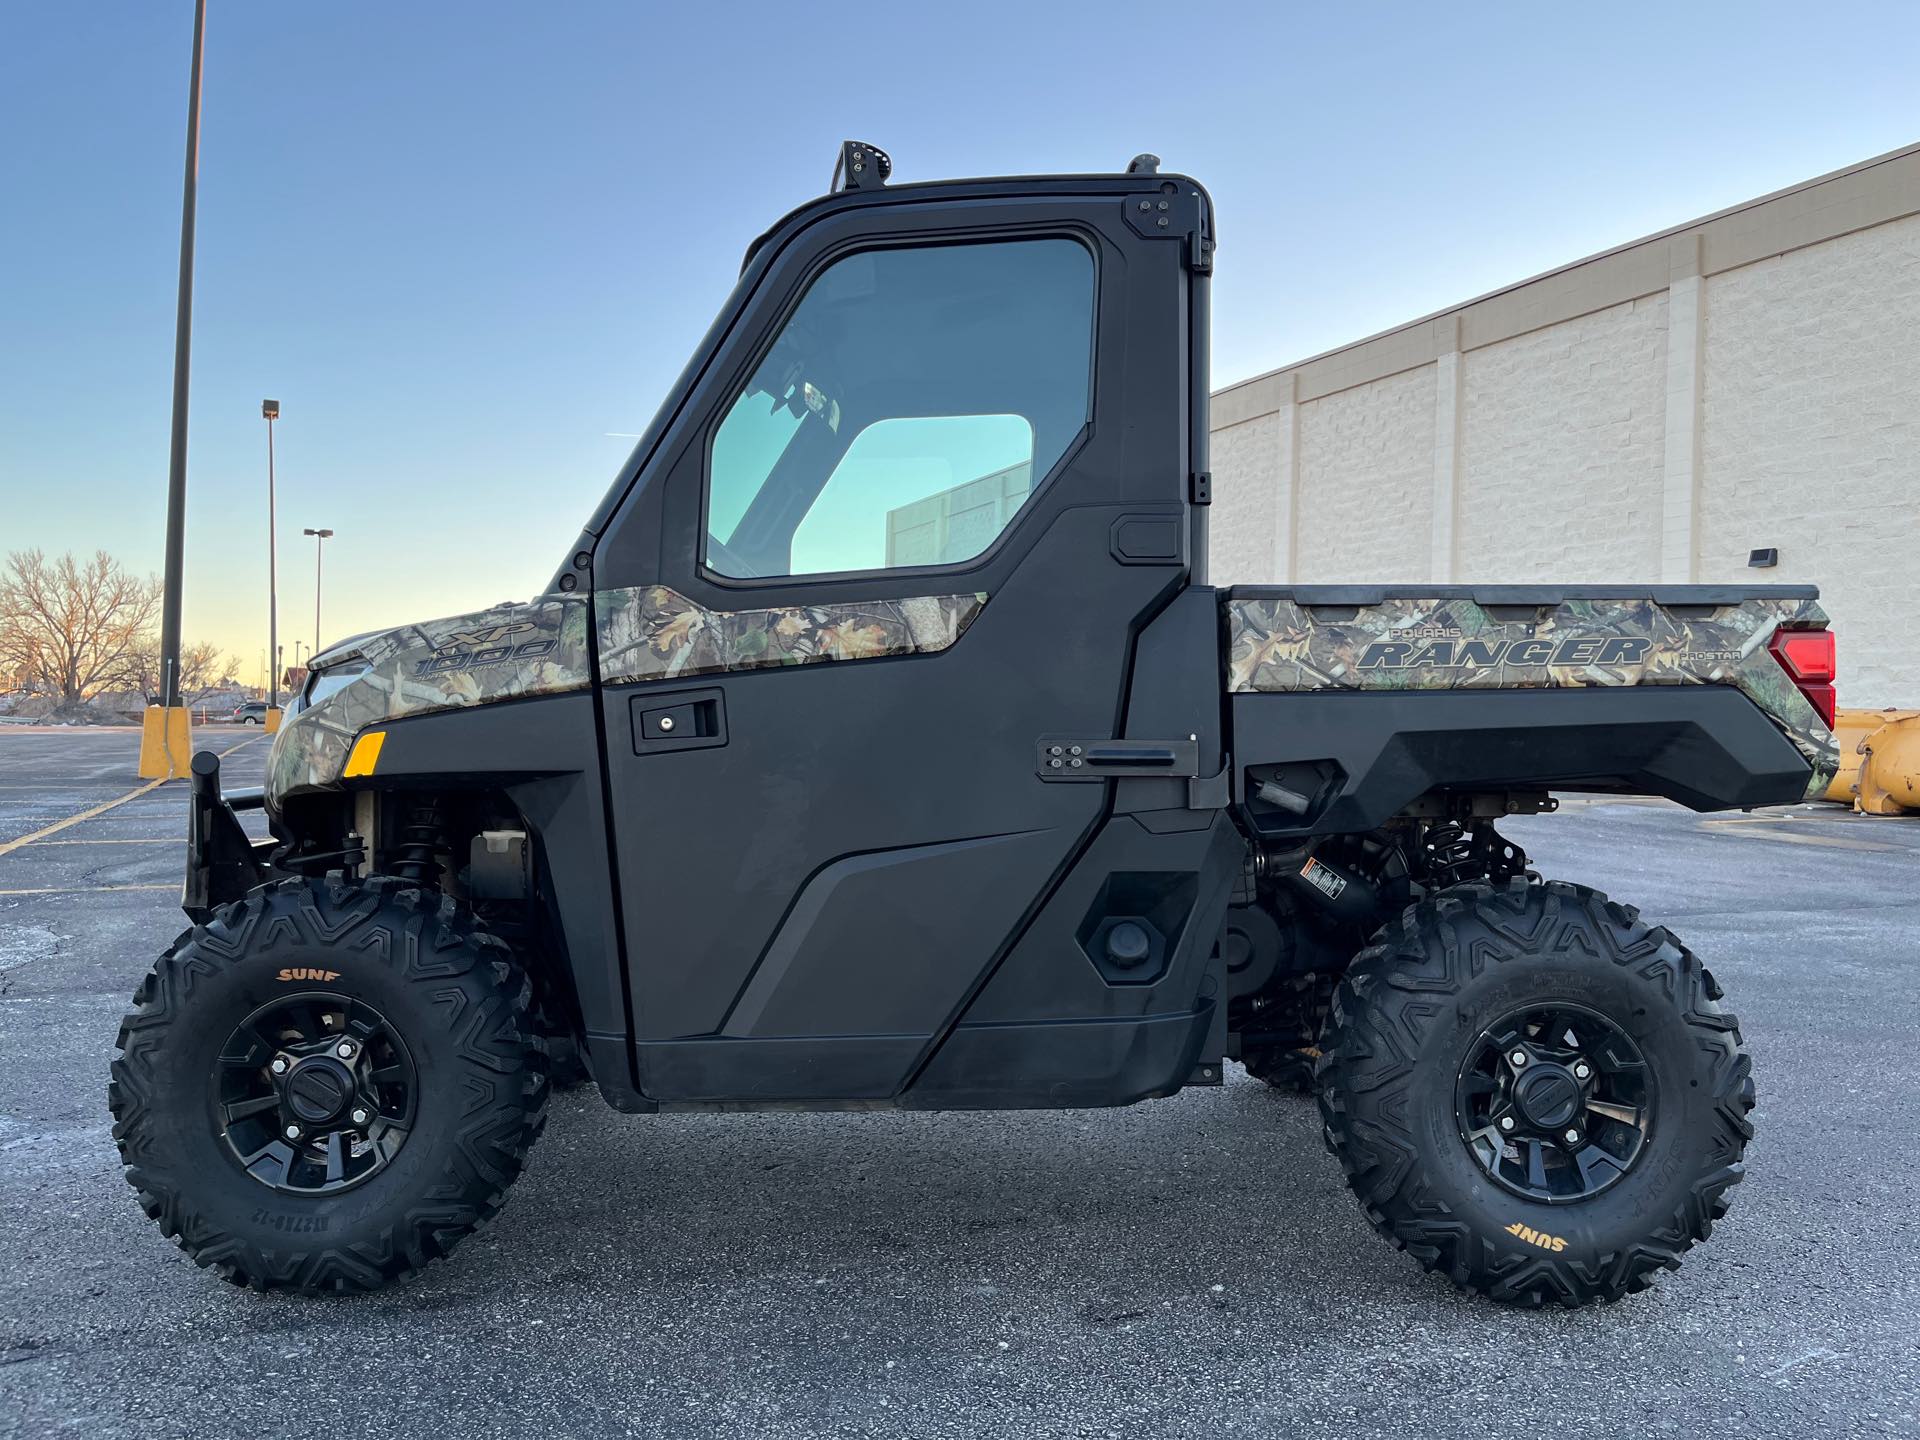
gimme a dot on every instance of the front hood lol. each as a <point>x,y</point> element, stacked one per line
<point>507,653</point>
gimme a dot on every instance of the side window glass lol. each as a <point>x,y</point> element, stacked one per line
<point>906,410</point>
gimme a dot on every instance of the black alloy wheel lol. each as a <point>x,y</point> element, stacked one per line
<point>1555,1103</point>
<point>315,1093</point>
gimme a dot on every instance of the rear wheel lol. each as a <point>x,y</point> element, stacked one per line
<point>328,1085</point>
<point>1536,1093</point>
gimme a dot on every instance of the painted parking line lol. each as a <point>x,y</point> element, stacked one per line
<point>86,889</point>
<point>156,840</point>
<point>54,829</point>
<point>1769,827</point>
<point>66,785</point>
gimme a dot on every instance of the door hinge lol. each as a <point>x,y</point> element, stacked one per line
<point>1075,757</point>
<point>1200,487</point>
<point>1072,757</point>
<point>1175,214</point>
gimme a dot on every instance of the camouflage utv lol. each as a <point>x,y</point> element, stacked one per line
<point>882,743</point>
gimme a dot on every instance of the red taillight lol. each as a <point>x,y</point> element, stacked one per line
<point>1807,657</point>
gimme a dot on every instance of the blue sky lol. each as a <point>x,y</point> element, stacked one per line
<point>462,242</point>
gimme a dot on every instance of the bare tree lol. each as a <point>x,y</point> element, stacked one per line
<point>78,625</point>
<point>203,670</point>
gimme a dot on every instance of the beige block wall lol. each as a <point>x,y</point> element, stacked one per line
<point>1648,415</point>
<point>1365,503</point>
<point>1810,442</point>
<point>1562,438</point>
<point>1244,526</point>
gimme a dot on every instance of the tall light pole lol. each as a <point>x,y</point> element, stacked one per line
<point>164,739</point>
<point>270,410</point>
<point>320,538</point>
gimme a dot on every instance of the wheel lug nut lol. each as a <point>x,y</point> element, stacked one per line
<point>279,1066</point>
<point>360,1117</point>
<point>1519,1057</point>
<point>344,1050</point>
<point>1506,1122</point>
<point>293,1132</point>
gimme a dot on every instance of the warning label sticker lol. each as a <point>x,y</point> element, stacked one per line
<point>1323,879</point>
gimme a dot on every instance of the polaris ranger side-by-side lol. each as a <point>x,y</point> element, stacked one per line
<point>881,743</point>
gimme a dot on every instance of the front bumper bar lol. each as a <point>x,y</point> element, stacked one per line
<point>223,865</point>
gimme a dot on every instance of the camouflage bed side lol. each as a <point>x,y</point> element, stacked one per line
<point>1276,645</point>
<point>511,652</point>
<point>653,633</point>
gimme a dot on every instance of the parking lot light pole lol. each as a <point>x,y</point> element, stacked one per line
<point>166,732</point>
<point>270,410</point>
<point>320,538</point>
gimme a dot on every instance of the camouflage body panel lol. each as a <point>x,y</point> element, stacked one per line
<point>515,652</point>
<point>1276,644</point>
<point>654,633</point>
<point>511,652</point>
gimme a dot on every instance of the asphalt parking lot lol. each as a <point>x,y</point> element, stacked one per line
<point>1185,1267</point>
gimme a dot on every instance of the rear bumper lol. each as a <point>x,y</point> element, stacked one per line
<point>223,865</point>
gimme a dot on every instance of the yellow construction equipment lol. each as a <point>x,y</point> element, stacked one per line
<point>1879,761</point>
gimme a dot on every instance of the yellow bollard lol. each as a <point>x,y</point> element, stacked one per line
<point>166,742</point>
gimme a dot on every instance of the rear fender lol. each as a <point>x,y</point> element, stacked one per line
<point>1708,747</point>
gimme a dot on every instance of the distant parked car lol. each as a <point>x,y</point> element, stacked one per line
<point>251,712</point>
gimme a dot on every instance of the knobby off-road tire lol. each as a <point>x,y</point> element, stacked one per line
<point>453,1001</point>
<point>1405,1020</point>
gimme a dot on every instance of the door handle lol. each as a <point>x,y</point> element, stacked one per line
<point>679,720</point>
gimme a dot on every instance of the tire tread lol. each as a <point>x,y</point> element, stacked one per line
<point>427,939</point>
<point>1403,980</point>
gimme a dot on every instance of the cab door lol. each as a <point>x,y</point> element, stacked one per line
<point>910,512</point>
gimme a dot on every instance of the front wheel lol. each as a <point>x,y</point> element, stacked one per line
<point>1536,1093</point>
<point>328,1085</point>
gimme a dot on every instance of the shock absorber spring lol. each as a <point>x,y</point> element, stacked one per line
<point>415,855</point>
<point>1449,854</point>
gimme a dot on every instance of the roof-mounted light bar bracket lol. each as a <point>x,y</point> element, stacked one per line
<point>861,166</point>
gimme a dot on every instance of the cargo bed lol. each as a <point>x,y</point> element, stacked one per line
<point>1675,677</point>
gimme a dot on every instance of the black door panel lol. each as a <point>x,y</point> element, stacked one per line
<point>849,757</point>
<point>936,909</point>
